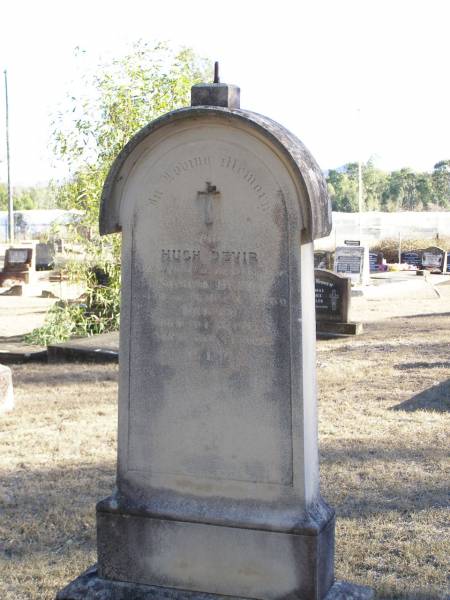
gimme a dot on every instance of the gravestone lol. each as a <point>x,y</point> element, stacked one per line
<point>45,255</point>
<point>373,261</point>
<point>333,295</point>
<point>217,482</point>
<point>412,258</point>
<point>434,259</point>
<point>19,265</point>
<point>353,262</point>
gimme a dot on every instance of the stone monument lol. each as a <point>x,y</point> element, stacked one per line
<point>19,265</point>
<point>333,297</point>
<point>434,259</point>
<point>353,262</point>
<point>217,481</point>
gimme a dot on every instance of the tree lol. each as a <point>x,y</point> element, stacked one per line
<point>120,98</point>
<point>343,190</point>
<point>441,183</point>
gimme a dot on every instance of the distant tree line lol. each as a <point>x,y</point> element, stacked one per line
<point>27,198</point>
<point>399,190</point>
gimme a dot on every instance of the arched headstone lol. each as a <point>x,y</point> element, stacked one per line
<point>217,483</point>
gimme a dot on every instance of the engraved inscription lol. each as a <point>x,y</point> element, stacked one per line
<point>234,165</point>
<point>215,256</point>
<point>182,166</point>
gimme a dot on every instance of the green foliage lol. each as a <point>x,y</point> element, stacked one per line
<point>96,312</point>
<point>27,198</point>
<point>399,190</point>
<point>120,98</point>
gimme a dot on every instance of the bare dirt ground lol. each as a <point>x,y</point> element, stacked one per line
<point>384,402</point>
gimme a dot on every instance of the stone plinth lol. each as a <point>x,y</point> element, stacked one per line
<point>89,586</point>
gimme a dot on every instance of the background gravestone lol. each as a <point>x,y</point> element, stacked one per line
<point>45,255</point>
<point>19,265</point>
<point>412,258</point>
<point>217,482</point>
<point>373,261</point>
<point>434,259</point>
<point>353,262</point>
<point>333,296</point>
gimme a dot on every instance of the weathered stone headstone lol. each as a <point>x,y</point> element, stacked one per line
<point>19,265</point>
<point>411,258</point>
<point>217,482</point>
<point>434,259</point>
<point>6,390</point>
<point>353,262</point>
<point>333,296</point>
<point>45,255</point>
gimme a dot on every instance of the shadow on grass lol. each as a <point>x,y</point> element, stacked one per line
<point>435,398</point>
<point>67,373</point>
<point>422,365</point>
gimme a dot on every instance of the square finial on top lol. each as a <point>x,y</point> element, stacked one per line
<point>216,93</point>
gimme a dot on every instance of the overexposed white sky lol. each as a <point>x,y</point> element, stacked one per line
<point>349,77</point>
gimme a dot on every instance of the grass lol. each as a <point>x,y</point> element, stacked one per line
<point>384,414</point>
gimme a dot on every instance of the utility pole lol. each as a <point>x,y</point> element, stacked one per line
<point>360,180</point>
<point>10,198</point>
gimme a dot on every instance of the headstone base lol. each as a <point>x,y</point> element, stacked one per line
<point>334,328</point>
<point>89,586</point>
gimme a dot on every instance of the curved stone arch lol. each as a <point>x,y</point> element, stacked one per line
<point>315,207</point>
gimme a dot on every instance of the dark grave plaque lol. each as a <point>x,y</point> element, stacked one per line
<point>332,296</point>
<point>373,261</point>
<point>333,293</point>
<point>411,258</point>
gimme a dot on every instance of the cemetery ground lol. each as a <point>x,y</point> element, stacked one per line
<point>384,403</point>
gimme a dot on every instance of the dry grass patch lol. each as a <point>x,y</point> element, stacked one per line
<point>384,411</point>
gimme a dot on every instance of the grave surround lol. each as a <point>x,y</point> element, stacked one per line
<point>217,479</point>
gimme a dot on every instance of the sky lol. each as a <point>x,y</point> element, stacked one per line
<point>353,79</point>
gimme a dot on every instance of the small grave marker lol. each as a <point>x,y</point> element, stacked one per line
<point>434,259</point>
<point>411,258</point>
<point>353,262</point>
<point>19,265</point>
<point>333,296</point>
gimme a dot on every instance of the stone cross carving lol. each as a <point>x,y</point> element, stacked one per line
<point>207,196</point>
<point>334,299</point>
